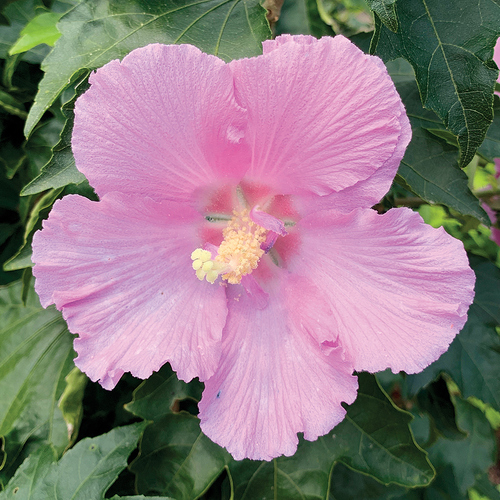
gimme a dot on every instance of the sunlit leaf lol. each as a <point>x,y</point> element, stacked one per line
<point>41,29</point>
<point>18,14</point>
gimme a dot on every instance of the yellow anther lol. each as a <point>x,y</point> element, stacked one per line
<point>207,266</point>
<point>196,254</point>
<point>212,276</point>
<point>197,264</point>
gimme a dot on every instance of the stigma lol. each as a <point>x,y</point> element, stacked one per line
<point>238,254</point>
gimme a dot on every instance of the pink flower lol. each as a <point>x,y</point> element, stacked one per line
<point>203,164</point>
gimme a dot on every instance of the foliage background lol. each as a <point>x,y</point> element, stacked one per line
<point>427,436</point>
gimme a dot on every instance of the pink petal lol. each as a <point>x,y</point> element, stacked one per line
<point>365,193</point>
<point>399,289</point>
<point>273,381</point>
<point>162,122</point>
<point>496,56</point>
<point>268,221</point>
<point>120,271</point>
<point>322,115</point>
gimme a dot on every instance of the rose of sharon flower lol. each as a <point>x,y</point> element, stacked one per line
<point>234,236</point>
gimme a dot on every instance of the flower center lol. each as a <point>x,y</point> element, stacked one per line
<point>238,254</point>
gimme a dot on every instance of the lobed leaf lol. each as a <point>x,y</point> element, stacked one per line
<point>449,43</point>
<point>98,31</point>
<point>90,467</point>
<point>430,169</point>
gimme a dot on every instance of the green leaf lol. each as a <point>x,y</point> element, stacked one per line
<point>157,395</point>
<point>30,475</point>
<point>98,31</point>
<point>436,401</point>
<point>71,402</point>
<point>19,13</point>
<point>176,458</point>
<point>61,169</point>
<point>408,90</point>
<point>486,488</point>
<point>347,484</point>
<point>400,71</point>
<point>430,169</point>
<point>140,497</point>
<point>40,211</point>
<point>90,467</point>
<point>386,11</point>
<point>471,456</point>
<point>451,55</point>
<point>41,29</point>
<point>490,148</point>
<point>39,146</point>
<point>374,438</point>
<point>12,105</point>
<point>35,356</point>
<point>302,17</point>
<point>473,359</point>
